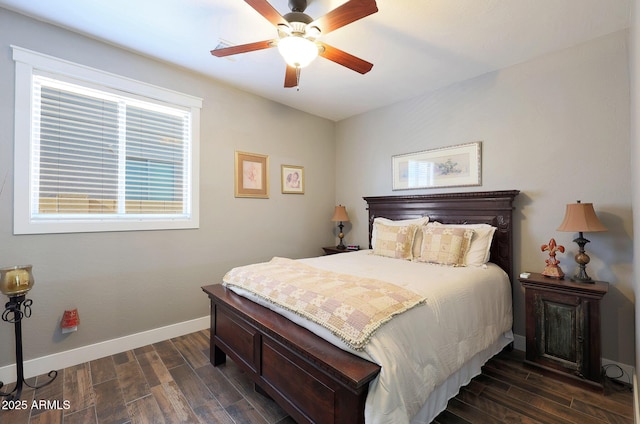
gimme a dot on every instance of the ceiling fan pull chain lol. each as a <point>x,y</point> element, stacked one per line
<point>298,78</point>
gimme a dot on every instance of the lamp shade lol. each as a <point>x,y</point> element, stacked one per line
<point>580,217</point>
<point>297,51</point>
<point>340,214</point>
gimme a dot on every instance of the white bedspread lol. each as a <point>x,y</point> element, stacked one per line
<point>468,309</point>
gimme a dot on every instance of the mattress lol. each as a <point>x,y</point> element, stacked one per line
<point>430,351</point>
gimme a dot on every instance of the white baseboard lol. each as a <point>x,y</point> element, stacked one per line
<point>615,370</point>
<point>58,361</point>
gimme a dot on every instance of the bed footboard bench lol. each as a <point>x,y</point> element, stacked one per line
<point>314,381</point>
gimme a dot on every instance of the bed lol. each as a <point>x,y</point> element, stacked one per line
<point>325,379</point>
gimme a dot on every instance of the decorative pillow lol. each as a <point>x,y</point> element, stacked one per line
<point>445,245</point>
<point>417,242</point>
<point>479,251</point>
<point>394,241</point>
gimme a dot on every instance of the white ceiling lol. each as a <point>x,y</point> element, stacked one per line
<point>416,46</point>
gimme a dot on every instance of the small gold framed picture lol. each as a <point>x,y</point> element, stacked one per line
<point>292,179</point>
<point>251,175</point>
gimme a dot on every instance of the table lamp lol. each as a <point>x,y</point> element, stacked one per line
<point>340,215</point>
<point>581,218</point>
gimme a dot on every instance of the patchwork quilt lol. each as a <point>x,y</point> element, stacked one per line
<point>349,306</point>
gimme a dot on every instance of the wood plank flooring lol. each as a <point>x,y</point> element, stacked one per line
<point>173,382</point>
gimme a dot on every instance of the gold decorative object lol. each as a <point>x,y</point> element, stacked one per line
<point>16,280</point>
<point>552,269</point>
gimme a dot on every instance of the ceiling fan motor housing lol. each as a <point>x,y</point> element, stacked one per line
<point>297,6</point>
<point>298,17</point>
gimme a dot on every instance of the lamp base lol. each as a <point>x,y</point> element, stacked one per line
<point>581,276</point>
<point>341,245</point>
<point>582,260</point>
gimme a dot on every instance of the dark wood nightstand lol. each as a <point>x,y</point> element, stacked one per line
<point>563,328</point>
<point>332,250</point>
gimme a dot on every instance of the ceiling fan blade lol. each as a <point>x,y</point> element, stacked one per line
<point>243,48</point>
<point>290,77</point>
<point>343,15</point>
<point>345,59</point>
<point>267,11</point>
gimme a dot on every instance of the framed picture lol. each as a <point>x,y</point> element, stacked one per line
<point>292,179</point>
<point>452,166</point>
<point>251,175</point>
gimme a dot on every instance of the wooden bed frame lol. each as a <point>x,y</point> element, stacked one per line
<point>314,381</point>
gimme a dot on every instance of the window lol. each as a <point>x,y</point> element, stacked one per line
<point>98,152</point>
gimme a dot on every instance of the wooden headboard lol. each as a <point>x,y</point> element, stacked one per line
<point>490,207</point>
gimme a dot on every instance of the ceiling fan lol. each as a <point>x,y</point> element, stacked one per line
<point>298,36</point>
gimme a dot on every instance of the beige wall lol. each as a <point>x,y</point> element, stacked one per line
<point>556,128</point>
<point>129,282</point>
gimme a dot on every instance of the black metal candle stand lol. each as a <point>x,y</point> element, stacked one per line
<point>17,308</point>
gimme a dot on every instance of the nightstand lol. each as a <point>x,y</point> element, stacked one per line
<point>332,250</point>
<point>563,328</point>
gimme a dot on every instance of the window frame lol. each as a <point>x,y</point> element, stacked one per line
<point>27,64</point>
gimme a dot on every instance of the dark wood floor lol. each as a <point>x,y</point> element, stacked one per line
<point>173,382</point>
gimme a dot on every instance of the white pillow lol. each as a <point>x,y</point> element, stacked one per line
<point>479,251</point>
<point>417,241</point>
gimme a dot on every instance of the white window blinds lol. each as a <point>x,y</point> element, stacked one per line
<point>104,156</point>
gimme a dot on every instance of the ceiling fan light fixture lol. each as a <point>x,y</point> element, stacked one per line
<point>297,51</point>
